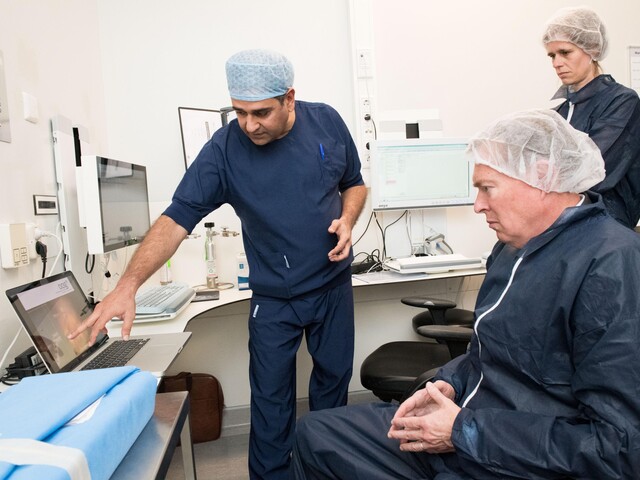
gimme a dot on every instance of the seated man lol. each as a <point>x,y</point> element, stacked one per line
<point>550,385</point>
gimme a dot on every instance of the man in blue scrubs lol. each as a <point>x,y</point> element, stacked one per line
<point>291,172</point>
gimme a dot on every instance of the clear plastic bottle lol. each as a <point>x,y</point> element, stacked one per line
<point>210,256</point>
<point>165,273</point>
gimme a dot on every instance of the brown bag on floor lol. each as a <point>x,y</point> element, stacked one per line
<point>206,400</point>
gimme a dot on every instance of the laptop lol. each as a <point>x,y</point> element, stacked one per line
<point>51,308</point>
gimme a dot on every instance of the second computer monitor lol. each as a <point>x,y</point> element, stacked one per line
<point>420,173</point>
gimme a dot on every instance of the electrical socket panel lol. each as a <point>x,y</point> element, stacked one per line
<point>367,129</point>
<point>365,106</point>
<point>13,245</point>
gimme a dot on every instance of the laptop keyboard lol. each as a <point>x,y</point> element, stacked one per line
<point>117,354</point>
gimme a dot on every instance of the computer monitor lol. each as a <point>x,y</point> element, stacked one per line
<point>114,203</point>
<point>420,173</point>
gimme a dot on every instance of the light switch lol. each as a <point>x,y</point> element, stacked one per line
<point>13,245</point>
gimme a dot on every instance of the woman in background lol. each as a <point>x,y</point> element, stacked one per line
<point>575,40</point>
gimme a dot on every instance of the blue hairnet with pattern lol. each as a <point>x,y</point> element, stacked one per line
<point>254,75</point>
<point>542,149</point>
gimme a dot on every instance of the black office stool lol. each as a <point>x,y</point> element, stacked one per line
<point>392,369</point>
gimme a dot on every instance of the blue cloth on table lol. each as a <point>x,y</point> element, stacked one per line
<point>40,407</point>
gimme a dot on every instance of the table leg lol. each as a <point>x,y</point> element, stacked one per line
<point>188,459</point>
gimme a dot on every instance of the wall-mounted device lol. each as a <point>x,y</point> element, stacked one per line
<point>401,124</point>
<point>420,173</point>
<point>197,126</point>
<point>45,205</point>
<point>115,203</point>
<point>13,245</point>
<point>69,141</point>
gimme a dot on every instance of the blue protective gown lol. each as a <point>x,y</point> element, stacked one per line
<point>558,373</point>
<point>610,114</point>
<point>286,193</point>
<point>550,387</point>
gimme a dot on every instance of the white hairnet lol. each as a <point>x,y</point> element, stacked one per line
<point>540,148</point>
<point>580,26</point>
<point>254,75</point>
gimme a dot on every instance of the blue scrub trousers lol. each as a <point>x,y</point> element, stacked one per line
<point>351,443</point>
<point>276,327</point>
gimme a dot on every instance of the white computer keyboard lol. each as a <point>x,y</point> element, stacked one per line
<point>433,263</point>
<point>160,299</point>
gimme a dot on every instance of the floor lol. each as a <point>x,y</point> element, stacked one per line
<point>225,458</point>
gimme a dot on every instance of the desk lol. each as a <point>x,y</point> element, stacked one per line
<point>179,323</point>
<point>389,276</point>
<point>233,295</point>
<point>218,344</point>
<point>149,457</point>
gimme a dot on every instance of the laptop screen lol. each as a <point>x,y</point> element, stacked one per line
<point>50,309</point>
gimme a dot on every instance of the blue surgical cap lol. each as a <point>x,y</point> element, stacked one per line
<point>254,75</point>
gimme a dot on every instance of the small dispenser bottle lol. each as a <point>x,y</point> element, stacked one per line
<point>243,272</point>
<point>210,256</point>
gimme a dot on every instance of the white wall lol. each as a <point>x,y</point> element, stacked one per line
<point>160,55</point>
<point>471,62</point>
<point>51,51</point>
<point>123,68</point>
<point>481,63</point>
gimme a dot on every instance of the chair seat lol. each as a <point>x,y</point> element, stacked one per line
<point>393,367</point>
